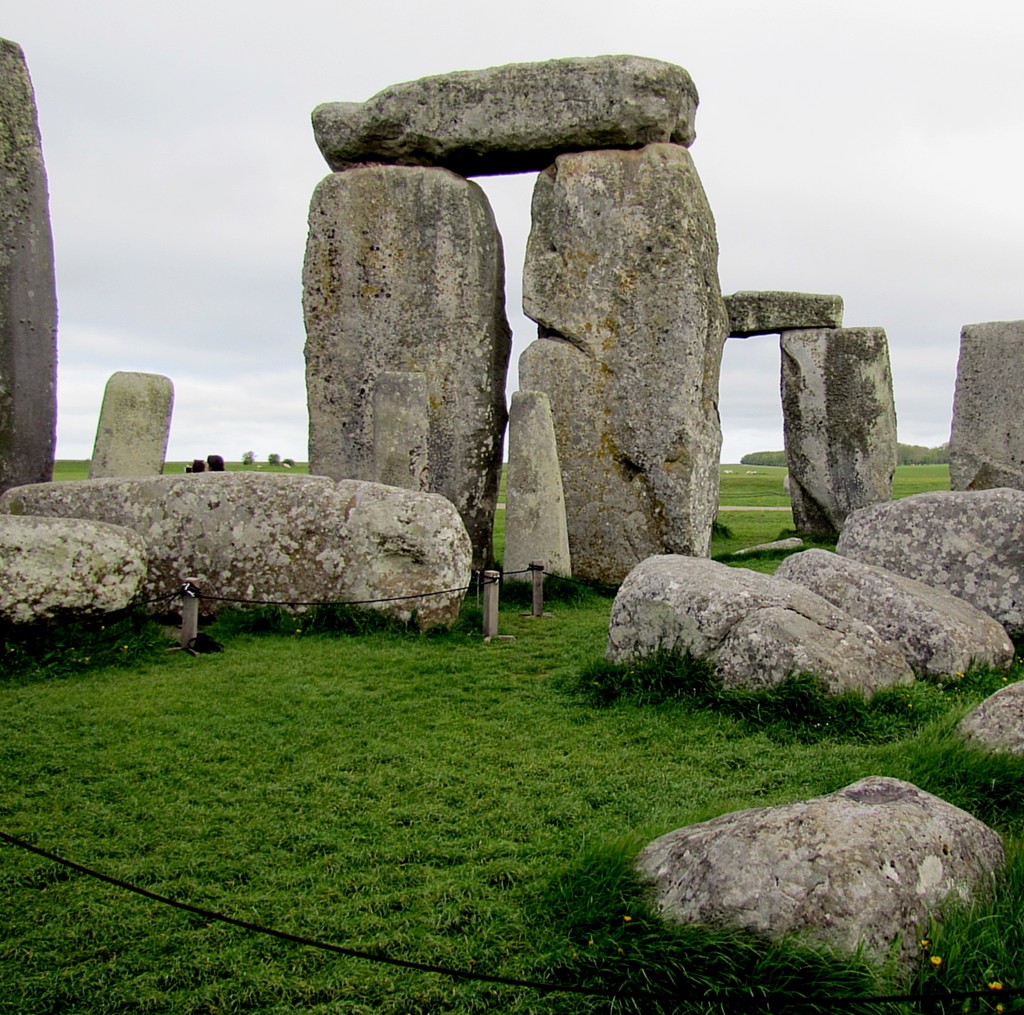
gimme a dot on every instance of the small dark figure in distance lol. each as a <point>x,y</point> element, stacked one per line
<point>198,465</point>
<point>215,462</point>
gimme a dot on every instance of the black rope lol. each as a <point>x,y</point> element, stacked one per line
<point>725,998</point>
<point>355,953</point>
<point>350,602</point>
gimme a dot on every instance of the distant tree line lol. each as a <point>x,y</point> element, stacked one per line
<point>906,454</point>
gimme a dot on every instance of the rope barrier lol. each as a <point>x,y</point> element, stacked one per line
<point>745,1001</point>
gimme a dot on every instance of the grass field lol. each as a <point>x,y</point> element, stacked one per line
<point>433,799</point>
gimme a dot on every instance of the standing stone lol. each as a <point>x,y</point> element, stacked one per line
<point>512,119</point>
<point>986,447</point>
<point>28,294</point>
<point>401,430</point>
<point>404,271</point>
<point>622,277</point>
<point>135,421</point>
<point>839,419</point>
<point>535,504</point>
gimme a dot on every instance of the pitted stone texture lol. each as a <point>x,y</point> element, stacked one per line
<point>840,423</point>
<point>776,544</point>
<point>135,421</point>
<point>621,275</point>
<point>997,724</point>
<point>401,430</point>
<point>986,445</point>
<point>936,632</point>
<point>770,312</point>
<point>512,119</point>
<point>28,295</point>
<point>291,539</point>
<point>534,501</point>
<point>756,629</point>
<point>966,542</point>
<point>404,271</point>
<point>868,866</point>
<point>56,567</point>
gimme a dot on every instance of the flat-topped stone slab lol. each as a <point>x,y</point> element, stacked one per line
<point>771,312</point>
<point>512,119</point>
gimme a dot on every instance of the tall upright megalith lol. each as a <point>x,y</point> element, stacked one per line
<point>622,278</point>
<point>134,424</point>
<point>401,430</point>
<point>839,422</point>
<point>404,271</point>
<point>28,296</point>
<point>986,445</point>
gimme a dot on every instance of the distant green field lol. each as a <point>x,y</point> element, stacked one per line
<point>67,469</point>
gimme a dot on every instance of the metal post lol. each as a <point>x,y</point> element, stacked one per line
<point>491,580</point>
<point>537,567</point>
<point>189,612</point>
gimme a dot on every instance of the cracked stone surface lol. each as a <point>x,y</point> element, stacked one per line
<point>755,628</point>
<point>869,865</point>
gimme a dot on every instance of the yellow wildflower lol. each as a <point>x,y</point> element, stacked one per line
<point>936,960</point>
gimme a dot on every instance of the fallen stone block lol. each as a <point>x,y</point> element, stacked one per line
<point>966,542</point>
<point>756,629</point>
<point>512,119</point>
<point>997,724</point>
<point>286,539</point>
<point>937,632</point>
<point>62,567</point>
<point>869,866</point>
<point>772,312</point>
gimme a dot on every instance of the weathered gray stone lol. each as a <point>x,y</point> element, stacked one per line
<point>534,502</point>
<point>135,421</point>
<point>512,119</point>
<point>986,445</point>
<point>621,275</point>
<point>793,543</point>
<point>771,312</point>
<point>966,542</point>
<point>56,567</point>
<point>291,539</point>
<point>401,429</point>
<point>28,295</point>
<point>404,271</point>
<point>840,423</point>
<point>870,866</point>
<point>936,632</point>
<point>997,724</point>
<point>756,629</point>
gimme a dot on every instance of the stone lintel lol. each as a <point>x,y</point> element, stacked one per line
<point>771,312</point>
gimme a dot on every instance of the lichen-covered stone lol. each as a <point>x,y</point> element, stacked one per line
<point>290,539</point>
<point>997,724</point>
<point>755,628</point>
<point>966,542</point>
<point>135,421</point>
<point>621,275</point>
<point>534,502</point>
<point>986,445</point>
<point>57,567</point>
<point>937,632</point>
<point>28,294</point>
<point>404,271</point>
<point>770,312</point>
<point>869,866</point>
<point>512,119</point>
<point>401,429</point>
<point>839,419</point>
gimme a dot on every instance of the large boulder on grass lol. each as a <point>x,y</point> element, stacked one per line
<point>997,724</point>
<point>966,542</point>
<point>511,119</point>
<point>936,632</point>
<point>287,539</point>
<point>57,567</point>
<point>869,866</point>
<point>756,629</point>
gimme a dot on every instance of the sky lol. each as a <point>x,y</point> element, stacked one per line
<point>869,149</point>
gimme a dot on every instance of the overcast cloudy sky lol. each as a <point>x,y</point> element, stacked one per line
<point>870,149</point>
